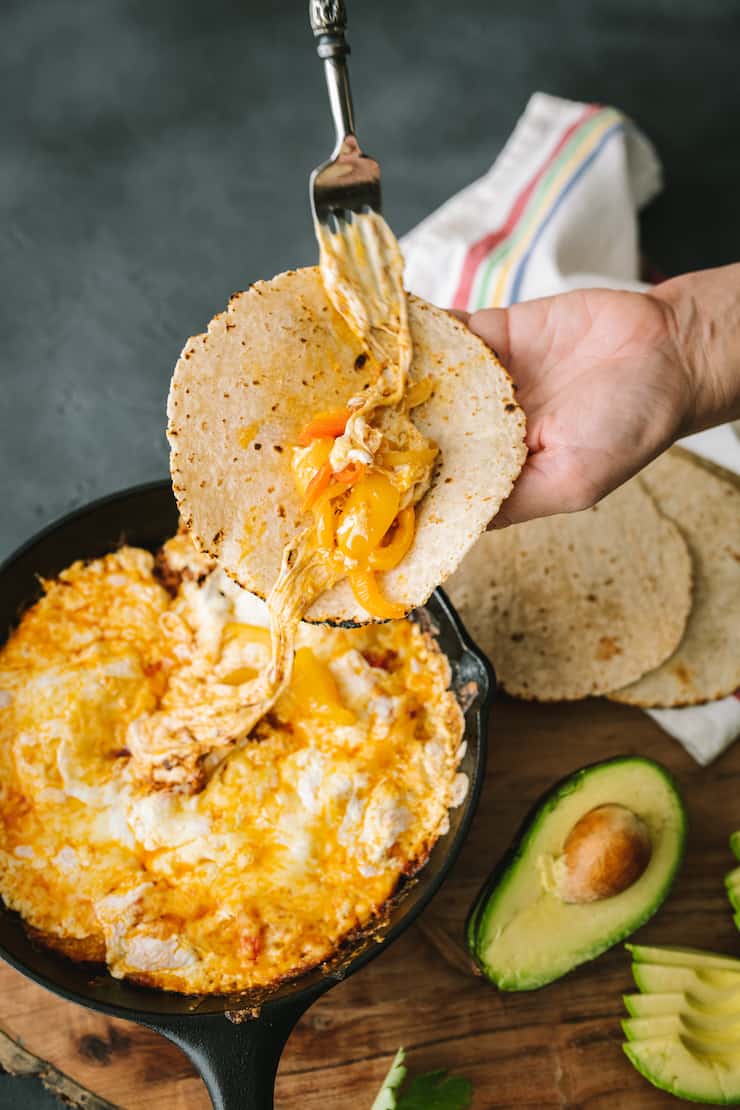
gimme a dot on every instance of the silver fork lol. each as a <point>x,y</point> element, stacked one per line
<point>361,264</point>
<point>349,181</point>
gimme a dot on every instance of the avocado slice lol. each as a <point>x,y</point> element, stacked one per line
<point>715,1004</point>
<point>732,884</point>
<point>695,958</point>
<point>715,1033</point>
<point>735,844</point>
<point>678,1065</point>
<point>521,931</point>
<point>702,983</point>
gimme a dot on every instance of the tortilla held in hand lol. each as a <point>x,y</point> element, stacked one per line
<point>278,356</point>
<point>704,501</point>
<point>568,605</point>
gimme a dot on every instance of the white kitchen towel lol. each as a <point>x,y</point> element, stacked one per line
<point>558,210</point>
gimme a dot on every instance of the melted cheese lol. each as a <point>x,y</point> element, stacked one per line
<point>295,841</point>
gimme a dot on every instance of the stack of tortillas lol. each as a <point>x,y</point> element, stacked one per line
<point>637,598</point>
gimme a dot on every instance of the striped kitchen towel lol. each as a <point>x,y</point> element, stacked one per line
<point>558,210</point>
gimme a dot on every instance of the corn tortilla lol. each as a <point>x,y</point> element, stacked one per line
<point>568,605</point>
<point>704,502</point>
<point>279,355</point>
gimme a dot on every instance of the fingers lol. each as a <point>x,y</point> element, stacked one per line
<point>551,482</point>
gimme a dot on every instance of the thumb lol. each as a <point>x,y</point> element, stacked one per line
<point>551,482</point>
<point>492,326</point>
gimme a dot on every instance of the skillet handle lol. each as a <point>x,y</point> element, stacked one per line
<point>237,1062</point>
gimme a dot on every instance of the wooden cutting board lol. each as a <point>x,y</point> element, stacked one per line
<point>556,1047</point>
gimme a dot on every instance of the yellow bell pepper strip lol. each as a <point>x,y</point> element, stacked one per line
<point>389,555</point>
<point>422,458</point>
<point>366,590</point>
<point>367,514</point>
<point>326,424</point>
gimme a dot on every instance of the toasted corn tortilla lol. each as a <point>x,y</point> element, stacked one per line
<point>568,605</point>
<point>704,501</point>
<point>278,356</point>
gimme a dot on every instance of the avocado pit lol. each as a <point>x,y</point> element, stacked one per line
<point>606,851</point>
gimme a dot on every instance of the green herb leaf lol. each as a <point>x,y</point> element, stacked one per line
<point>386,1097</point>
<point>437,1091</point>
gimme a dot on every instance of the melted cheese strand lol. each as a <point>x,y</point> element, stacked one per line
<point>362,271</point>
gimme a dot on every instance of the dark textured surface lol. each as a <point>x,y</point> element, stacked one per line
<point>154,157</point>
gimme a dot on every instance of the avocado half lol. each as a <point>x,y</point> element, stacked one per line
<point>683,1033</point>
<point>520,932</point>
<point>732,880</point>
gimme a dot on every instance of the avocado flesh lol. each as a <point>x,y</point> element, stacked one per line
<point>732,883</point>
<point>521,933</point>
<point>715,1033</point>
<point>685,1037</point>
<point>717,1005</point>
<point>735,844</point>
<point>675,1065</point>
<point>695,958</point>
<point>702,983</point>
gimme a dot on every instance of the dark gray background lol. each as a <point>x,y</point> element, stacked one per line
<point>154,157</point>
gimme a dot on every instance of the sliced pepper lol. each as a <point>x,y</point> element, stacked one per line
<point>331,424</point>
<point>350,473</point>
<point>307,460</point>
<point>316,486</point>
<point>366,590</point>
<point>367,514</point>
<point>389,555</point>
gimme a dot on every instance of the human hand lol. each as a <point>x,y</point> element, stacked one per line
<point>603,380</point>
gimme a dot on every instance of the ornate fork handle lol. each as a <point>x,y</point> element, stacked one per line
<point>329,18</point>
<point>328,23</point>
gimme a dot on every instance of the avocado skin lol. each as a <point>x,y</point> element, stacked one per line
<point>544,805</point>
<point>631,1051</point>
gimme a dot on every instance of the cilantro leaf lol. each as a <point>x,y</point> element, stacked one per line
<point>437,1091</point>
<point>386,1097</point>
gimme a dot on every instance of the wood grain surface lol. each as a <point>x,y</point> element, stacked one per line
<point>556,1047</point>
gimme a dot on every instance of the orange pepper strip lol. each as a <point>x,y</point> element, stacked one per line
<point>389,555</point>
<point>350,473</point>
<point>326,424</point>
<point>317,485</point>
<point>366,590</point>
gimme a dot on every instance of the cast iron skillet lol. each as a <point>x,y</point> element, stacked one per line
<point>237,1055</point>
